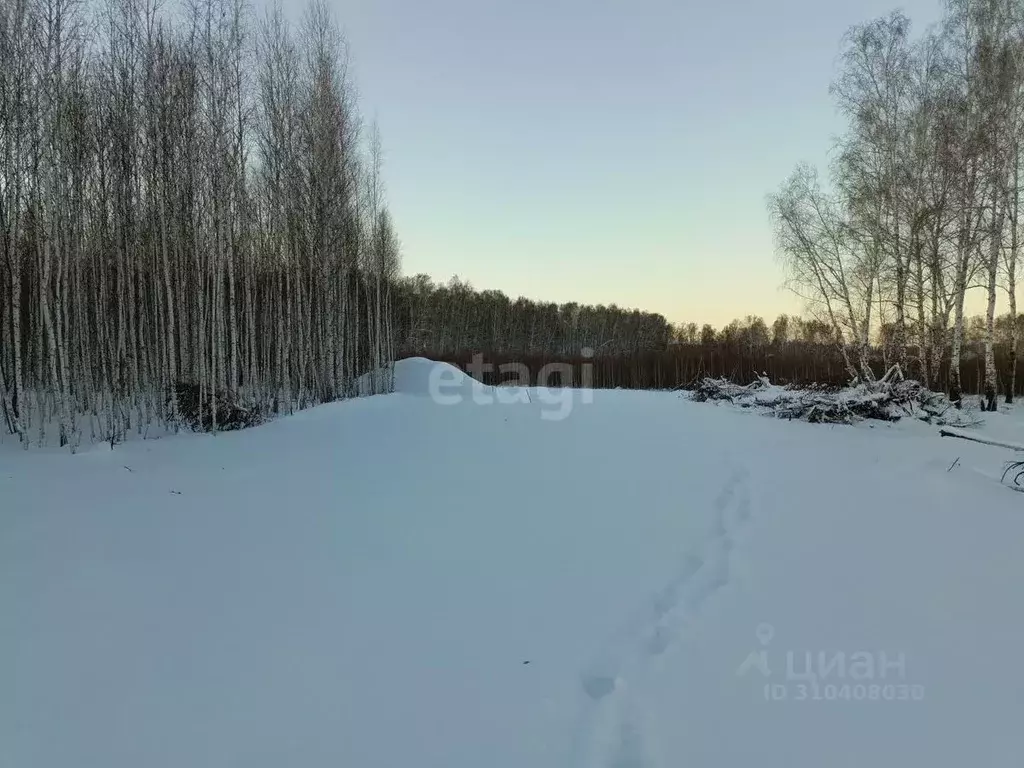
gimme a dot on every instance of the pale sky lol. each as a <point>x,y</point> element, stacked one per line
<point>602,151</point>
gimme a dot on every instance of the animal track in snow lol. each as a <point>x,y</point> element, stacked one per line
<point>607,729</point>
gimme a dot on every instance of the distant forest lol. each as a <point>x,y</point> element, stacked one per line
<point>634,349</point>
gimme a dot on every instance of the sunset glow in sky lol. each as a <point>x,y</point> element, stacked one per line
<point>599,151</point>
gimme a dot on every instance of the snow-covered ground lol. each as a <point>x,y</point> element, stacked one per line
<point>532,581</point>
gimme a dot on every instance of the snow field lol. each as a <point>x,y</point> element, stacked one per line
<point>392,582</point>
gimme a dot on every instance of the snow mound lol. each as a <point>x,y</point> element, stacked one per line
<point>421,377</point>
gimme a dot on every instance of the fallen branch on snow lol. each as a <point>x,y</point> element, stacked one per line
<point>1014,468</point>
<point>973,439</point>
<point>1017,468</point>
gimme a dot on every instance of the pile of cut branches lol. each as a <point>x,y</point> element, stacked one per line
<point>723,389</point>
<point>890,398</point>
<point>196,410</point>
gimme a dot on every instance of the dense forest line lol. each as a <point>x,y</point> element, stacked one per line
<point>454,317</point>
<point>639,350</point>
<point>684,366</point>
<point>191,215</point>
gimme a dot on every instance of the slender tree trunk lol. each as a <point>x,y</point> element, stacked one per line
<point>1011,274</point>
<point>995,246</point>
<point>959,293</point>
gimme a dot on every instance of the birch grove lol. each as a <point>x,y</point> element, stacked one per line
<point>923,196</point>
<point>192,219</point>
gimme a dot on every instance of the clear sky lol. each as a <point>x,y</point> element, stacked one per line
<point>602,151</point>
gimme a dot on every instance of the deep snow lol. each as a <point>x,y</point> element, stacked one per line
<point>396,582</point>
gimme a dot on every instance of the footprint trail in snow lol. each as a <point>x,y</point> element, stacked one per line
<point>611,733</point>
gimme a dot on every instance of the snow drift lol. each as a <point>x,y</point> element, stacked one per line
<point>421,377</point>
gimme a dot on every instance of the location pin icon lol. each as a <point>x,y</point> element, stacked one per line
<point>765,633</point>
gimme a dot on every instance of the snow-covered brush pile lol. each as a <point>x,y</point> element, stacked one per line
<point>196,410</point>
<point>889,399</point>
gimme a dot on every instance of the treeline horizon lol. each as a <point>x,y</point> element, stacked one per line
<point>451,322</point>
<point>454,316</point>
<point>684,366</point>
